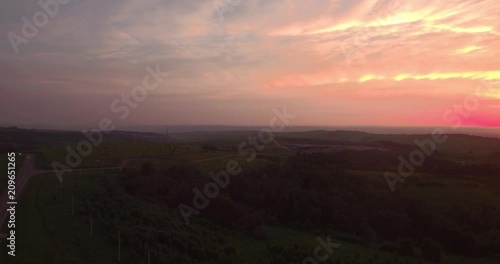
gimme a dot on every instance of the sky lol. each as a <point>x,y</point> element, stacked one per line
<point>231,62</point>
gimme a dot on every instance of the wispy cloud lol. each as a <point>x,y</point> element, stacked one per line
<point>270,50</point>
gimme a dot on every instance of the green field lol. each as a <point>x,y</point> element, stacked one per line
<point>33,241</point>
<point>273,212</point>
<point>60,234</point>
<point>62,237</point>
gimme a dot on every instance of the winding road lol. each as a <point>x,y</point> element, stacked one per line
<point>22,177</point>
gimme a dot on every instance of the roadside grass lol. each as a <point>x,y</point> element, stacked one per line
<point>71,232</point>
<point>32,241</point>
<point>47,231</point>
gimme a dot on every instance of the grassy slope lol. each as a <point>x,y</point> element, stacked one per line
<point>72,241</point>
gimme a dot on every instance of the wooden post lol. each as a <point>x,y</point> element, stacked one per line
<point>90,222</point>
<point>118,245</point>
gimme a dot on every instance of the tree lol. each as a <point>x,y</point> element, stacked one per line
<point>431,250</point>
<point>406,247</point>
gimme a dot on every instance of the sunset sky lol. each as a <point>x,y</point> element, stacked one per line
<point>231,62</point>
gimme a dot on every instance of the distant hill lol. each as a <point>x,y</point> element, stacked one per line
<point>162,129</point>
<point>484,132</point>
<point>456,143</point>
